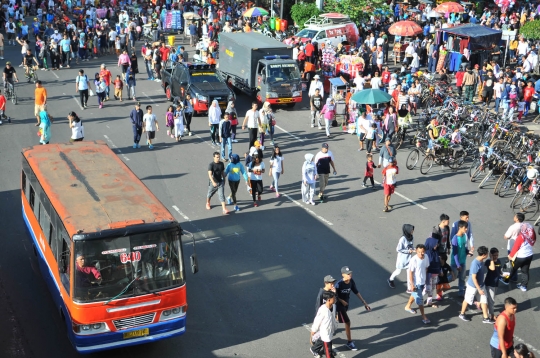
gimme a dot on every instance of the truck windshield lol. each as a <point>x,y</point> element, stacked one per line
<point>147,262</point>
<point>198,77</point>
<point>283,72</point>
<point>307,33</point>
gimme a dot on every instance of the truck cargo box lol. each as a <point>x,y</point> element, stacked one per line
<point>240,52</point>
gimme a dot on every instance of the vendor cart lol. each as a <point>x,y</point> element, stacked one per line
<point>338,91</point>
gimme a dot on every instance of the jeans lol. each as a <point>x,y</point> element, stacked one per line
<point>131,92</point>
<point>469,93</point>
<point>497,104</point>
<point>214,128</point>
<point>107,89</point>
<point>149,69</point>
<point>66,58</point>
<point>100,97</point>
<point>252,136</point>
<point>316,114</point>
<point>275,175</point>
<point>137,131</point>
<point>461,278</point>
<point>224,142</point>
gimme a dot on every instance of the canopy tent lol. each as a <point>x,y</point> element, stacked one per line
<point>480,37</point>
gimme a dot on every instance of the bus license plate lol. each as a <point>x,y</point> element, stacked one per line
<point>138,333</point>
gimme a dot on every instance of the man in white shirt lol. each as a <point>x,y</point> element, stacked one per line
<point>376,81</point>
<point>498,89</point>
<point>359,81</point>
<point>323,327</point>
<point>526,65</point>
<point>523,48</point>
<point>533,58</point>
<point>10,31</point>
<point>511,234</point>
<point>417,273</point>
<point>316,83</point>
<point>253,123</point>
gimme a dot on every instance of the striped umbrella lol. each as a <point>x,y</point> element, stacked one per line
<point>255,11</point>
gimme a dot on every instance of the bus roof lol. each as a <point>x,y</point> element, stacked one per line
<point>91,189</point>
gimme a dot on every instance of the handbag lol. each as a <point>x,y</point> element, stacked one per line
<point>334,123</point>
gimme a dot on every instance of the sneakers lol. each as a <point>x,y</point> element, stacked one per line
<point>190,134</point>
<point>316,355</point>
<point>391,283</point>
<point>229,201</point>
<point>521,287</point>
<point>363,185</point>
<point>313,126</point>
<point>138,145</point>
<point>488,321</point>
<point>351,346</point>
<point>236,208</point>
<point>464,317</point>
<point>312,202</point>
<point>151,146</point>
<point>277,195</point>
<point>255,204</point>
<point>262,147</point>
<point>134,145</point>
<point>234,140</point>
<point>503,281</point>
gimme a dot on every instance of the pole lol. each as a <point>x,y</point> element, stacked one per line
<point>506,52</point>
<point>272,8</point>
<point>281,10</point>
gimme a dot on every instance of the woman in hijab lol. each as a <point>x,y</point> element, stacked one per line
<point>233,117</point>
<point>329,113</point>
<point>522,255</point>
<point>405,249</point>
<point>432,252</point>
<point>267,117</point>
<point>214,116</point>
<point>45,121</point>
<point>309,178</point>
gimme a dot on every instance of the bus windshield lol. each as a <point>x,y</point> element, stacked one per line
<point>127,266</point>
<point>283,72</point>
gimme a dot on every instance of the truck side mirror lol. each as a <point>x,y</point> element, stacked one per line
<point>194,263</point>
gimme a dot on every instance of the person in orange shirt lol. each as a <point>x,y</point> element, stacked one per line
<point>107,76</point>
<point>40,100</point>
<point>528,93</point>
<point>210,59</point>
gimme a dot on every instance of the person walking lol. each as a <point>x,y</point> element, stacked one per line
<point>459,255</point>
<point>521,255</point>
<point>234,171</point>
<point>502,339</point>
<point>433,271</point>
<point>233,118</point>
<point>101,86</point>
<point>214,116</point>
<point>323,161</point>
<point>368,172</point>
<point>323,327</point>
<point>441,232</point>
<point>266,119</point>
<point>388,151</point>
<point>469,82</point>
<point>253,121</point>
<point>493,274</point>
<point>82,86</point>
<point>277,168</point>
<point>511,235</point>
<point>328,287</point>
<point>309,178</point>
<point>476,285</point>
<point>256,170</point>
<point>150,126</point>
<point>40,100</point>
<point>316,104</point>
<point>131,83</point>
<point>225,136</point>
<point>216,183</point>
<point>389,182</point>
<point>405,249</point>
<point>136,117</point>
<point>188,113</point>
<point>417,281</point>
<point>169,121</point>
<point>464,216</point>
<point>77,129</point>
<point>329,113</point>
<point>343,290</point>
<point>45,121</point>
<point>179,122</point>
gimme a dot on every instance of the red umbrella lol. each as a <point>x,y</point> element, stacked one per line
<point>449,7</point>
<point>405,28</point>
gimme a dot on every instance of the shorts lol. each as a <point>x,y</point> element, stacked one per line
<point>497,353</point>
<point>10,35</point>
<point>220,189</point>
<point>118,92</point>
<point>418,295</point>
<point>470,294</point>
<point>361,136</point>
<point>343,317</point>
<point>389,189</point>
<point>443,286</point>
<point>38,108</point>
<point>150,134</point>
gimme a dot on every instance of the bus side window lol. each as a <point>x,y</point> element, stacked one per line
<point>23,184</point>
<point>45,222</point>
<point>32,197</point>
<point>63,265</point>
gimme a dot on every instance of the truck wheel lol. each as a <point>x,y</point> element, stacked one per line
<point>168,93</point>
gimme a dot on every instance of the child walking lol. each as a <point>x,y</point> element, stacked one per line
<point>118,87</point>
<point>276,169</point>
<point>256,170</point>
<point>309,178</point>
<point>233,117</point>
<point>329,113</point>
<point>368,174</point>
<point>179,122</point>
<point>169,121</point>
<point>444,281</point>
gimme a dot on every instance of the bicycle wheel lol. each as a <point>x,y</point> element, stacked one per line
<point>528,206</point>
<point>14,97</point>
<point>427,164</point>
<point>499,184</point>
<point>458,161</point>
<point>506,185</point>
<point>475,163</point>
<point>480,170</point>
<point>412,159</point>
<point>486,178</point>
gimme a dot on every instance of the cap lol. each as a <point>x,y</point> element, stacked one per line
<point>8,63</point>
<point>329,278</point>
<point>324,145</point>
<point>390,160</point>
<point>35,18</point>
<point>257,143</point>
<point>317,77</point>
<point>346,270</point>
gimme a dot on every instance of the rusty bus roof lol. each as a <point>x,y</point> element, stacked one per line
<point>91,189</point>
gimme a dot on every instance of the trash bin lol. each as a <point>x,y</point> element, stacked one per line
<point>171,40</point>
<point>278,24</point>
<point>272,23</point>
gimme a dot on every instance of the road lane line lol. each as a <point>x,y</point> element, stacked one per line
<point>115,147</point>
<point>55,75</point>
<point>338,353</point>
<point>78,104</point>
<point>197,229</point>
<point>157,105</point>
<point>404,197</point>
<point>289,133</point>
<point>308,210</point>
<point>207,142</point>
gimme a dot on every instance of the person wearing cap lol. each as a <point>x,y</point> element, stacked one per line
<point>84,273</point>
<point>316,83</point>
<point>323,160</point>
<point>323,327</point>
<point>389,182</point>
<point>343,290</point>
<point>328,287</point>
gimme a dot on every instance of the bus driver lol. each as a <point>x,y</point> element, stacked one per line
<point>83,271</point>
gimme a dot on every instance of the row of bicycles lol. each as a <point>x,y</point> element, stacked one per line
<point>499,152</point>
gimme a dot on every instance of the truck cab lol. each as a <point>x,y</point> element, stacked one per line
<point>278,81</point>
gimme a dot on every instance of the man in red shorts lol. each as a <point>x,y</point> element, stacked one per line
<point>389,182</point>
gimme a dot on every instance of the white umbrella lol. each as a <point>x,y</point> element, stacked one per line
<point>433,13</point>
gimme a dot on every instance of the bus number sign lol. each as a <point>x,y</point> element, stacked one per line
<point>130,256</point>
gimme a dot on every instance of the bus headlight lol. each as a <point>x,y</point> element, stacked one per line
<point>271,95</point>
<point>173,313</point>
<point>88,329</point>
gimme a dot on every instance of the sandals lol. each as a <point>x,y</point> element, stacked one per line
<point>385,210</point>
<point>426,321</point>
<point>207,206</point>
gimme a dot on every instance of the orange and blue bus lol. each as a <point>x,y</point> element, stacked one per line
<point>108,248</point>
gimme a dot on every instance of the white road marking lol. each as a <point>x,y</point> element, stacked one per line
<point>78,104</point>
<point>308,210</point>
<point>55,75</point>
<point>338,353</point>
<point>289,133</point>
<point>115,147</point>
<point>404,197</point>
<point>157,105</point>
<point>198,229</point>
<point>207,142</point>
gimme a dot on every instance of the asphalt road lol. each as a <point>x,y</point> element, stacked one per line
<point>261,268</point>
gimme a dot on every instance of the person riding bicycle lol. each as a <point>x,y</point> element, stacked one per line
<point>433,133</point>
<point>29,62</point>
<point>456,141</point>
<point>9,74</point>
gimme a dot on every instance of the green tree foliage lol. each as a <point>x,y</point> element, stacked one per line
<point>357,10</point>
<point>531,30</point>
<point>301,12</point>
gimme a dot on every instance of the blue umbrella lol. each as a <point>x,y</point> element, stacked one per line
<point>371,96</point>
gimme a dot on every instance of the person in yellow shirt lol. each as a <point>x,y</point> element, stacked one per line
<point>513,48</point>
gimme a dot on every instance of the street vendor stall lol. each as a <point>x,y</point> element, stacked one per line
<point>338,91</point>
